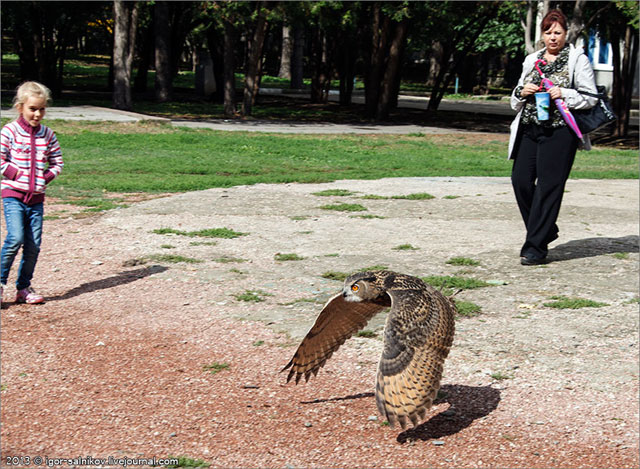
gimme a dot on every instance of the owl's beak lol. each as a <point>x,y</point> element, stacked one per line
<point>348,295</point>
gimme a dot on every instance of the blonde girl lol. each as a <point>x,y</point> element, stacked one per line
<point>31,159</point>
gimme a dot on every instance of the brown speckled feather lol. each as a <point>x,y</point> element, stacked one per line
<point>338,321</point>
<point>418,335</point>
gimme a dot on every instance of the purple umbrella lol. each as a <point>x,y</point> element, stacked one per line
<point>560,104</point>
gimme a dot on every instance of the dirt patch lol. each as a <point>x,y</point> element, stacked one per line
<point>76,127</point>
<point>118,361</point>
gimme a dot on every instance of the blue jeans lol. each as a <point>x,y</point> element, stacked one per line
<point>24,228</point>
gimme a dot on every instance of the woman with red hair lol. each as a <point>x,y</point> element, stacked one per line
<point>543,150</point>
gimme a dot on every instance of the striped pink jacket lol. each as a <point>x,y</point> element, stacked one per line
<point>22,177</point>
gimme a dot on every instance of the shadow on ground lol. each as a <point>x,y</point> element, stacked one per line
<point>591,247</point>
<point>122,278</point>
<point>467,403</point>
<point>345,398</point>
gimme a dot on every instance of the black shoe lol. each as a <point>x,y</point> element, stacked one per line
<point>533,260</point>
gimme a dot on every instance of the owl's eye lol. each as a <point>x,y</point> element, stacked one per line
<point>355,288</point>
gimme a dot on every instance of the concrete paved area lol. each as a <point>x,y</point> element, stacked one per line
<point>311,127</point>
<point>474,217</point>
<point>88,113</point>
<point>95,113</point>
<point>500,107</point>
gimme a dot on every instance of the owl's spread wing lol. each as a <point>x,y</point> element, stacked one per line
<point>418,335</point>
<point>338,320</point>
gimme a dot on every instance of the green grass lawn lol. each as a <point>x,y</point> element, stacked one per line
<point>154,158</point>
<point>106,158</point>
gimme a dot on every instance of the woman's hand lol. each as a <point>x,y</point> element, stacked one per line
<point>529,89</point>
<point>555,92</point>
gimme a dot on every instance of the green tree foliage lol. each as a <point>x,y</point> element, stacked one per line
<point>502,33</point>
<point>481,43</point>
<point>329,26</point>
<point>456,28</point>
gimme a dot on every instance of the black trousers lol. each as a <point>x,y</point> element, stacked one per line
<point>540,171</point>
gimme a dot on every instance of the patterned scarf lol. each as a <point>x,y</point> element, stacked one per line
<point>556,71</point>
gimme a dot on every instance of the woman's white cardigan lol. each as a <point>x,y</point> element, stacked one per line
<point>583,80</point>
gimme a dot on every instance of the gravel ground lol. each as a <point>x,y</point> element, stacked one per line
<point>136,356</point>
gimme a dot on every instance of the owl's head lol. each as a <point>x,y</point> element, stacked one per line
<point>364,286</point>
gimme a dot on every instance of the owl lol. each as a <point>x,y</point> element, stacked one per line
<point>418,334</point>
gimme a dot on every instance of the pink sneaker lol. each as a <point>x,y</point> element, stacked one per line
<point>29,296</point>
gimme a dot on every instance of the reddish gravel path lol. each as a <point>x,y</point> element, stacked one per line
<point>114,365</point>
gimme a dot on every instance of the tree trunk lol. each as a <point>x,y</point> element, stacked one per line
<point>110,78</point>
<point>528,25</point>
<point>252,71</point>
<point>59,48</point>
<point>448,71</point>
<point>435,59</point>
<point>297,59</point>
<point>320,77</point>
<point>380,29</point>
<point>42,33</point>
<point>60,68</point>
<point>346,69</point>
<point>624,67</point>
<point>229,61</point>
<point>146,52</point>
<point>630,66</point>
<point>28,69</point>
<point>616,87</point>
<point>482,80</point>
<point>576,23</point>
<point>392,71</point>
<point>285,53</point>
<point>436,93</point>
<point>164,76</point>
<point>179,27</point>
<point>38,46</point>
<point>216,46</point>
<point>23,38</point>
<point>125,18</point>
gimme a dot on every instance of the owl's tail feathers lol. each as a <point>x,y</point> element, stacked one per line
<point>399,404</point>
<point>406,396</point>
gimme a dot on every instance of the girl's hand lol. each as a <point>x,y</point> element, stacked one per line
<point>529,89</point>
<point>555,92</point>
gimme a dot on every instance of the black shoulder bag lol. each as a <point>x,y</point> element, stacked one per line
<point>590,120</point>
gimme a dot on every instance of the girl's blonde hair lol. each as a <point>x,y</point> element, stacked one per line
<point>31,89</point>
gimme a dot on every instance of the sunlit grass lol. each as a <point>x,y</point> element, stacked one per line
<point>344,207</point>
<point>225,233</point>
<point>563,302</point>
<point>178,160</point>
<point>455,282</point>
